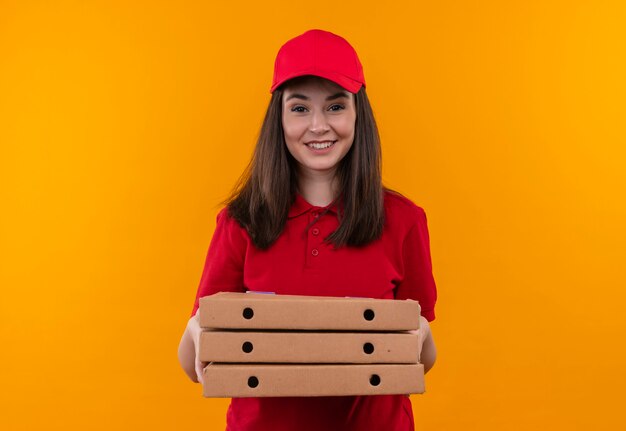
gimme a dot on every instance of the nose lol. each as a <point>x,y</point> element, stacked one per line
<point>318,122</point>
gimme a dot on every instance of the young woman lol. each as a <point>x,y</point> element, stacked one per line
<point>311,217</point>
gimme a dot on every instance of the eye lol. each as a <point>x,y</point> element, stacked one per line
<point>298,109</point>
<point>340,107</point>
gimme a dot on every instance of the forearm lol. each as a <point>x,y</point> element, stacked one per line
<point>187,355</point>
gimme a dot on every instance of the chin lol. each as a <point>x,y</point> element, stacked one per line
<point>322,167</point>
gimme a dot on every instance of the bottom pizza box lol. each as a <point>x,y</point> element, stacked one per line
<point>286,380</point>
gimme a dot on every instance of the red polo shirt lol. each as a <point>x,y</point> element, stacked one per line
<point>397,265</point>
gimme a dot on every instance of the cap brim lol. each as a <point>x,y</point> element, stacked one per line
<point>349,84</point>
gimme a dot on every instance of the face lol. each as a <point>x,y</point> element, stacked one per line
<point>318,122</point>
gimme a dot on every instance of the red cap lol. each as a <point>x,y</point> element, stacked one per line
<point>320,53</point>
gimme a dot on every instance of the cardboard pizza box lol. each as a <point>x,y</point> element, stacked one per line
<point>280,380</point>
<point>308,347</point>
<point>262,311</point>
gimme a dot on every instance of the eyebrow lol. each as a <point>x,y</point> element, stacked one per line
<point>303,97</point>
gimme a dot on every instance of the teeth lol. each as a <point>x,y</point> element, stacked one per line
<point>321,145</point>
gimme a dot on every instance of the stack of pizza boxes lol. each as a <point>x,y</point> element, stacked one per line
<point>266,345</point>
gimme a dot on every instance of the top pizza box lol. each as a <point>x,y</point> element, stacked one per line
<point>230,310</point>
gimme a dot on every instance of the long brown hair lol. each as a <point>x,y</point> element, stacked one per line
<point>266,190</point>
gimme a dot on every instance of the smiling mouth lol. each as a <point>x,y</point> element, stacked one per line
<point>320,145</point>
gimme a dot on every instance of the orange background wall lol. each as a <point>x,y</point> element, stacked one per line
<point>123,125</point>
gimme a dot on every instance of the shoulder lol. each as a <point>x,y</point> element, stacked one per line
<point>225,218</point>
<point>227,227</point>
<point>401,210</point>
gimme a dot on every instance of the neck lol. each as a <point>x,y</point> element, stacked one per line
<point>319,189</point>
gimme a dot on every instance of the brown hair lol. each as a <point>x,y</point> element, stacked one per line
<point>266,190</point>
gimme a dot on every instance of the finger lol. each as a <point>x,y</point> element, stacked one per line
<point>420,343</point>
<point>199,371</point>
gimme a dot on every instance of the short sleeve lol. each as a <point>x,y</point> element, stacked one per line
<point>418,282</point>
<point>223,267</point>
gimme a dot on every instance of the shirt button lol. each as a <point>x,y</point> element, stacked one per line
<point>314,252</point>
<point>315,231</point>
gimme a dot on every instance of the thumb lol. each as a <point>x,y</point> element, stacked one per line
<point>422,334</point>
<point>200,371</point>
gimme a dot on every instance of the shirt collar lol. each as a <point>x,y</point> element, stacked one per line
<point>301,206</point>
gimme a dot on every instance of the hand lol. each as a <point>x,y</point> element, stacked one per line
<point>193,326</point>
<point>427,353</point>
<point>422,334</point>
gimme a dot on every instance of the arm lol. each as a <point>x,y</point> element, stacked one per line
<point>419,284</point>
<point>223,271</point>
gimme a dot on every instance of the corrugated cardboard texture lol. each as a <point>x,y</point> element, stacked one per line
<point>265,380</point>
<point>261,311</point>
<point>308,347</point>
